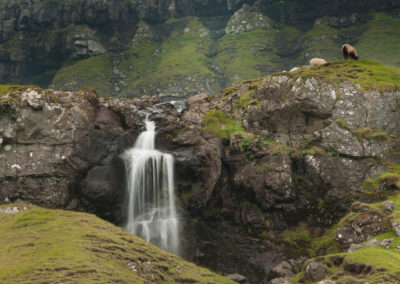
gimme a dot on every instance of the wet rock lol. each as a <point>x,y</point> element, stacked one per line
<point>315,271</point>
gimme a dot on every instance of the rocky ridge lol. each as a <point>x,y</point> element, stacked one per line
<point>251,162</point>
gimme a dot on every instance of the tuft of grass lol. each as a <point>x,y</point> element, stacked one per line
<point>298,239</point>
<point>387,180</point>
<point>53,246</point>
<point>219,124</point>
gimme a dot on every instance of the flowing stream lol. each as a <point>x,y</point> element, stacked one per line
<point>150,192</point>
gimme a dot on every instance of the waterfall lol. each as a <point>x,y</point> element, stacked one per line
<point>151,211</point>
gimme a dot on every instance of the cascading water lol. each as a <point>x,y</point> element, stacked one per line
<point>150,192</point>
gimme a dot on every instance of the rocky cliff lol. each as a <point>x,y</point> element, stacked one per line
<point>174,49</point>
<point>253,162</point>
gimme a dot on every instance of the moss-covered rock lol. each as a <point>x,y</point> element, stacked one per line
<point>373,264</point>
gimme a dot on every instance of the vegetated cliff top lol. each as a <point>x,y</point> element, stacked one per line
<point>43,245</point>
<point>369,74</point>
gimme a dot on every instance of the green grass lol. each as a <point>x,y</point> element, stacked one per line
<point>94,72</point>
<point>183,53</point>
<point>248,55</point>
<point>368,73</point>
<point>380,40</point>
<point>53,246</point>
<point>219,124</point>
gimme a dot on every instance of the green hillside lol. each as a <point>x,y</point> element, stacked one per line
<point>53,246</point>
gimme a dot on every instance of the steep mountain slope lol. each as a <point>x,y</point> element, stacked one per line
<point>41,245</point>
<point>175,49</point>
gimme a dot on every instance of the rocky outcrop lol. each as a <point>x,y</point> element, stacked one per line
<point>250,162</point>
<point>246,20</point>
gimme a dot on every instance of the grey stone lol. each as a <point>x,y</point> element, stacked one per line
<point>280,280</point>
<point>396,228</point>
<point>390,206</point>
<point>315,271</point>
<point>237,277</point>
<point>326,281</point>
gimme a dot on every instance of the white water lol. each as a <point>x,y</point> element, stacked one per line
<point>150,192</point>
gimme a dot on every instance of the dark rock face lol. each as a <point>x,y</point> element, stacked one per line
<point>61,150</point>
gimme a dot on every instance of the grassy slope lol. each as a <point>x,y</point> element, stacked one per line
<point>94,72</point>
<point>51,246</point>
<point>244,56</point>
<point>381,40</point>
<point>182,54</point>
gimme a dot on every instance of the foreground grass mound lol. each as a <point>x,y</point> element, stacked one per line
<point>53,246</point>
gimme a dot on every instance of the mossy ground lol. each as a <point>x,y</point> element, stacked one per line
<point>53,246</point>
